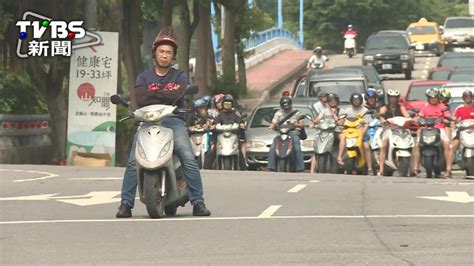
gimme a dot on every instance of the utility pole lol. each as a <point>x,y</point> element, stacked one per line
<point>280,16</point>
<point>90,12</point>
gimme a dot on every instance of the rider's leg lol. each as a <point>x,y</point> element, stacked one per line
<point>342,146</point>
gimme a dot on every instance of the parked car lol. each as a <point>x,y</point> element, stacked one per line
<point>388,53</point>
<point>407,38</point>
<point>373,78</point>
<point>457,88</point>
<point>415,96</point>
<point>459,32</point>
<point>426,36</point>
<point>259,139</point>
<point>342,81</point>
<point>440,73</point>
<point>457,60</point>
<point>462,75</point>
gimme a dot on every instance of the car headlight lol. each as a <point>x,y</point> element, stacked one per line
<point>307,143</point>
<point>429,139</point>
<point>404,57</point>
<point>369,57</point>
<point>165,149</point>
<point>255,144</point>
<point>141,152</point>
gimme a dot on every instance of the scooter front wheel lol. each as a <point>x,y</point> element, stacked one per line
<point>171,210</point>
<point>428,164</point>
<point>404,166</point>
<point>155,203</point>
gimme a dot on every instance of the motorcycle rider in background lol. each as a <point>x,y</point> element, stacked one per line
<point>357,109</point>
<point>322,103</point>
<point>351,31</point>
<point>461,113</point>
<point>286,108</point>
<point>433,109</point>
<point>332,112</point>
<point>392,109</point>
<point>163,84</point>
<point>317,60</point>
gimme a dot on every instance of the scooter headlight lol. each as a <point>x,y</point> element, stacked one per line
<point>141,152</point>
<point>307,144</point>
<point>351,142</point>
<point>429,139</point>
<point>165,149</point>
<point>227,134</point>
<point>152,115</point>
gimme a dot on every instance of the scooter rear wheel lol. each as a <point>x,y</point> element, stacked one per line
<point>154,201</point>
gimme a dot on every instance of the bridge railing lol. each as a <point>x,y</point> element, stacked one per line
<point>262,37</point>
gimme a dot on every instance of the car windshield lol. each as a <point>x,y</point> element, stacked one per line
<point>343,89</point>
<point>460,62</point>
<point>387,42</point>
<point>440,75</point>
<point>422,30</point>
<point>417,92</point>
<point>264,115</point>
<point>459,23</point>
<point>462,76</point>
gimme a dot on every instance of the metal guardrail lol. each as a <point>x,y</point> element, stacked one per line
<point>262,37</point>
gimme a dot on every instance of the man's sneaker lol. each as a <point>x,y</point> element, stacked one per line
<point>124,211</point>
<point>199,209</point>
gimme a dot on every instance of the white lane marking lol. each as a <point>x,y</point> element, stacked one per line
<point>239,218</point>
<point>31,197</point>
<point>297,188</point>
<point>267,213</point>
<point>314,181</point>
<point>95,178</point>
<point>423,76</point>
<point>47,175</point>
<point>428,59</point>
<point>425,71</point>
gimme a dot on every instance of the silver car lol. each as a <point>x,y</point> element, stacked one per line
<point>260,139</point>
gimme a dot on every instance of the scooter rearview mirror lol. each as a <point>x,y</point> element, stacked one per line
<point>118,99</point>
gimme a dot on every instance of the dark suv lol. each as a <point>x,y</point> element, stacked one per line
<point>388,54</point>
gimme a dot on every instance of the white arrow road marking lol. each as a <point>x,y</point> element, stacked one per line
<point>47,175</point>
<point>268,212</point>
<point>32,197</point>
<point>314,181</point>
<point>91,198</point>
<point>297,188</point>
<point>454,196</point>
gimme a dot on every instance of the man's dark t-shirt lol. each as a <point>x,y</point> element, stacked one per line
<point>151,88</point>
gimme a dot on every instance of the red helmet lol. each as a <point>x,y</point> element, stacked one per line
<point>166,36</point>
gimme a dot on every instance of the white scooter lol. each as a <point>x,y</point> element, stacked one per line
<point>200,143</point>
<point>350,45</point>
<point>466,139</point>
<point>401,143</point>
<point>227,149</point>
<point>161,183</point>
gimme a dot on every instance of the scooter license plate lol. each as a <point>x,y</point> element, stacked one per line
<point>420,47</point>
<point>386,66</point>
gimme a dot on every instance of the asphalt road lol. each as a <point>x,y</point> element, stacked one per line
<point>66,215</point>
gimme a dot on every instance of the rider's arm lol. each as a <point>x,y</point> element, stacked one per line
<point>404,111</point>
<point>318,118</point>
<point>383,110</point>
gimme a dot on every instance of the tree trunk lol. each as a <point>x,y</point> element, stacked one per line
<point>202,45</point>
<point>131,49</point>
<point>241,64</point>
<point>228,46</point>
<point>184,37</point>
<point>167,13</point>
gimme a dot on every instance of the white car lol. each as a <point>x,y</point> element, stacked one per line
<point>457,89</point>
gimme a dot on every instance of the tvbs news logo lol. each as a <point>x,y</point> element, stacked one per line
<point>44,37</point>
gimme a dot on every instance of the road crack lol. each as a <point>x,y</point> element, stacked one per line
<point>374,230</point>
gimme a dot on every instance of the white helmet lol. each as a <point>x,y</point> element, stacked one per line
<point>349,26</point>
<point>394,93</point>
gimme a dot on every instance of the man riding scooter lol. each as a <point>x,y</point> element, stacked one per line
<point>317,60</point>
<point>461,113</point>
<point>163,85</point>
<point>286,108</point>
<point>350,35</point>
<point>390,110</point>
<point>357,110</point>
<point>433,109</point>
<point>199,124</point>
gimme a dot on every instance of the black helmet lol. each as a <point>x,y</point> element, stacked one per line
<point>354,96</point>
<point>285,102</point>
<point>228,98</point>
<point>467,93</point>
<point>333,96</point>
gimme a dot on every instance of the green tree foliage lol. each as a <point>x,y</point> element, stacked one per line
<point>19,96</point>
